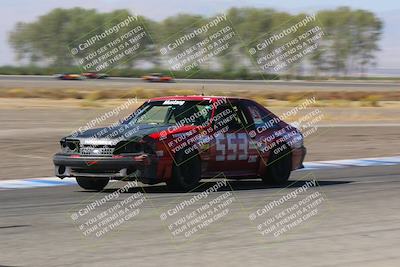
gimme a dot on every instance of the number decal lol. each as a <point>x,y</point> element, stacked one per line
<point>220,147</point>
<point>232,146</point>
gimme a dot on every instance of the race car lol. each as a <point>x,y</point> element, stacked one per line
<point>182,139</point>
<point>157,77</point>
<point>68,76</point>
<point>95,75</point>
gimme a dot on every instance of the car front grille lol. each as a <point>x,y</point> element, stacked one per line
<point>91,150</point>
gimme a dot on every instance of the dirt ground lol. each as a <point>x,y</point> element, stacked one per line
<point>31,128</point>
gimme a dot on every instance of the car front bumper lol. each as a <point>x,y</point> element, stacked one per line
<point>141,167</point>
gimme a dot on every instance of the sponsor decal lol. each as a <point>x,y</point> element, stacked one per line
<point>174,102</point>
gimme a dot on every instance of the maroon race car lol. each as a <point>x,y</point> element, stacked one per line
<point>182,139</point>
<point>95,75</point>
<point>157,77</point>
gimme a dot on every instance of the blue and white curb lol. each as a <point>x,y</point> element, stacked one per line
<point>345,163</point>
<point>35,182</point>
<point>312,165</point>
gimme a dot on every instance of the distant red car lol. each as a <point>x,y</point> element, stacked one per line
<point>157,77</point>
<point>68,76</point>
<point>182,139</point>
<point>95,75</point>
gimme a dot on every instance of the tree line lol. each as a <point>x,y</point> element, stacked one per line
<point>349,45</point>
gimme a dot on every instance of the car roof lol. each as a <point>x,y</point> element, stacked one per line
<point>194,98</point>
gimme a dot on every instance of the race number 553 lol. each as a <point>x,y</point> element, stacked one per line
<point>232,146</point>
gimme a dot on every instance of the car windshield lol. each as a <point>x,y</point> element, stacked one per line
<point>179,112</point>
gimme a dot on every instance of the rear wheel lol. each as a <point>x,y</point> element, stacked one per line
<point>279,168</point>
<point>96,184</point>
<point>186,172</point>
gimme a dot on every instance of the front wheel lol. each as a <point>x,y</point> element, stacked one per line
<point>279,168</point>
<point>186,172</point>
<point>95,184</point>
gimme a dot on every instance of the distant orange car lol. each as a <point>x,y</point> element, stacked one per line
<point>157,77</point>
<point>68,76</point>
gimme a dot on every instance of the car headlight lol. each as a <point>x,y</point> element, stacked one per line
<point>297,140</point>
<point>69,146</point>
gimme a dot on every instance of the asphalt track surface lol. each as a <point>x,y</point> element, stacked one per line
<point>357,225</point>
<point>33,80</point>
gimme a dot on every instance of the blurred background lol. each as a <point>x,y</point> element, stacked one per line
<point>353,73</point>
<point>360,39</point>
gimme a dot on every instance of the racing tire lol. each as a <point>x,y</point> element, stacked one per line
<point>279,168</point>
<point>186,172</point>
<point>94,184</point>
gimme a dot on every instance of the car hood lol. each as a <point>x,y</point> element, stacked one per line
<point>112,135</point>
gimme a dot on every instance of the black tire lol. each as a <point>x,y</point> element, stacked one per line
<point>279,167</point>
<point>95,184</point>
<point>186,172</point>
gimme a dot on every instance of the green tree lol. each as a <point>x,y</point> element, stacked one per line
<point>368,30</point>
<point>350,41</point>
<point>351,37</point>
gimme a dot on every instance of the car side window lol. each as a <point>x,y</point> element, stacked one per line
<point>255,114</point>
<point>234,117</point>
<point>261,117</point>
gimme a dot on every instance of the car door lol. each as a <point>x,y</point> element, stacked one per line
<point>264,127</point>
<point>231,150</point>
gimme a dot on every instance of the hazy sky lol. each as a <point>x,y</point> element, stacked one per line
<point>13,11</point>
